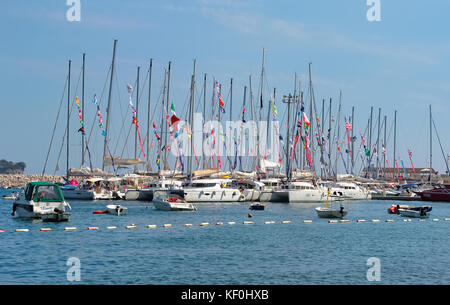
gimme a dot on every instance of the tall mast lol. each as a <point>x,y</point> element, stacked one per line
<point>352,143</point>
<point>384,152</point>
<point>108,110</point>
<point>162,113</point>
<point>370,141</point>
<point>68,120</point>
<point>137,113</point>
<point>395,135</point>
<point>166,112</point>
<point>82,109</point>
<point>378,142</point>
<point>338,134</point>
<point>311,126</point>
<point>322,168</point>
<point>329,140</point>
<point>260,110</point>
<point>148,113</point>
<point>192,118</point>
<point>204,121</point>
<point>431,146</point>
<point>231,114</point>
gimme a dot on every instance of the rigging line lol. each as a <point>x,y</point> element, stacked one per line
<point>54,127</point>
<point>99,103</point>
<point>121,128</point>
<point>70,113</point>
<point>440,144</point>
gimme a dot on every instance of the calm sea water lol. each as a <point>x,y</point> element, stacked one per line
<point>279,254</point>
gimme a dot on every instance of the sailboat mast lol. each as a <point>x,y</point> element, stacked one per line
<point>311,126</point>
<point>166,112</point>
<point>192,118</point>
<point>204,121</point>
<point>378,142</point>
<point>137,113</point>
<point>431,146</point>
<point>108,110</point>
<point>82,109</point>
<point>395,136</point>
<point>68,120</point>
<point>352,141</point>
<point>338,134</point>
<point>384,152</point>
<point>148,112</point>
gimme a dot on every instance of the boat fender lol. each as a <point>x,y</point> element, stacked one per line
<point>100,212</point>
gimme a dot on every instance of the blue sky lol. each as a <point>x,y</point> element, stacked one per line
<point>399,63</point>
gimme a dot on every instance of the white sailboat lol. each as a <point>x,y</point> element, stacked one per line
<point>326,212</point>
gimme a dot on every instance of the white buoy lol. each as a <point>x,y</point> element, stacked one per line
<point>375,220</point>
<point>231,223</point>
<point>248,222</point>
<point>361,220</point>
<point>307,221</point>
<point>407,220</point>
<point>435,219</point>
<point>22,230</point>
<point>421,219</point>
<point>92,228</point>
<point>285,221</point>
<point>332,221</point>
<point>389,220</point>
<point>45,229</point>
<point>151,226</point>
<point>167,225</point>
<point>219,223</point>
<point>188,225</point>
<point>111,228</point>
<point>446,219</point>
<point>344,220</point>
<point>70,228</point>
<point>269,222</point>
<point>203,224</point>
<point>131,227</point>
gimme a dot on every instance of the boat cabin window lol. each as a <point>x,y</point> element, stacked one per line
<point>46,193</point>
<point>204,184</point>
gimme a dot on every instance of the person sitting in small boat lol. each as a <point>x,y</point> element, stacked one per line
<point>341,210</point>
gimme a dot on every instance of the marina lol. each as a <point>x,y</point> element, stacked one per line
<point>308,250</point>
<point>204,144</point>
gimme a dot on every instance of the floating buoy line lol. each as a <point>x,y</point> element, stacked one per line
<point>205,224</point>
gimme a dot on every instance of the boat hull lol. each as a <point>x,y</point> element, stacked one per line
<point>173,206</point>
<point>330,213</point>
<point>299,196</point>
<point>78,194</point>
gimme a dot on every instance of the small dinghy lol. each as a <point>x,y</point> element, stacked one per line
<point>395,208</point>
<point>116,209</point>
<point>326,212</point>
<point>172,202</point>
<point>257,206</point>
<point>422,213</point>
<point>331,213</point>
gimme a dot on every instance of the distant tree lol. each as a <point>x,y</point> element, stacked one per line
<point>8,167</point>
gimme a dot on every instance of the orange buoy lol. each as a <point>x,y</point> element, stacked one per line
<point>250,215</point>
<point>100,212</point>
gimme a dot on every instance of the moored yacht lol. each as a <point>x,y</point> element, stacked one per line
<point>211,190</point>
<point>303,191</point>
<point>41,200</point>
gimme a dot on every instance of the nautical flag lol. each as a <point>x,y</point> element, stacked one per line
<point>305,119</point>
<point>348,126</point>
<point>172,108</point>
<point>174,121</point>
<point>274,109</point>
<point>221,104</point>
<point>95,99</point>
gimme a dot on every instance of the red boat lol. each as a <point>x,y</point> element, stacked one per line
<point>440,193</point>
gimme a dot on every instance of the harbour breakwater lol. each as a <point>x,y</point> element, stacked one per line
<point>21,180</point>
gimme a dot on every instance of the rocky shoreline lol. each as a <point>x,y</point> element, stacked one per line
<point>21,180</point>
